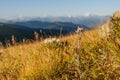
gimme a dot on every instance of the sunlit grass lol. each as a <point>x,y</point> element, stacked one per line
<point>99,59</point>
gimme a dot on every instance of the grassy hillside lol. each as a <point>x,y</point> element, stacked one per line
<point>97,59</point>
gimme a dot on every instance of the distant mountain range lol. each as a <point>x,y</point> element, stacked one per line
<point>50,25</point>
<point>25,27</point>
<point>88,20</point>
<point>25,30</point>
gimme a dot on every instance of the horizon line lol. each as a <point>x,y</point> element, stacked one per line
<point>45,16</point>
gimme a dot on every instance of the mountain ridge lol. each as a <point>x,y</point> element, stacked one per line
<point>88,20</point>
<point>8,29</point>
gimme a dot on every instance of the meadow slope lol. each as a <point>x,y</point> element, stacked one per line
<point>98,58</point>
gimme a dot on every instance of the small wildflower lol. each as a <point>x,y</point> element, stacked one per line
<point>79,30</point>
<point>100,50</point>
<point>51,40</point>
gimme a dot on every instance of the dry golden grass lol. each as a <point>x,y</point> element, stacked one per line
<point>57,61</point>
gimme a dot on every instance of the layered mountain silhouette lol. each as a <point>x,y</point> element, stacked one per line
<point>88,20</point>
<point>50,26</point>
<point>25,30</point>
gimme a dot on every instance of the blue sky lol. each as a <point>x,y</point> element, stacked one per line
<point>31,8</point>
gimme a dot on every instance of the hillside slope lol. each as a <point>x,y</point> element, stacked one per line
<point>98,58</point>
